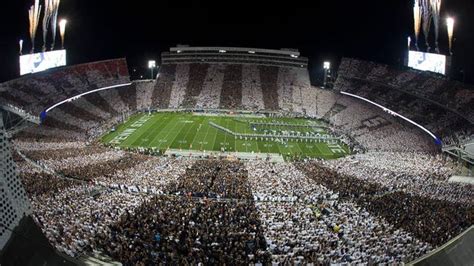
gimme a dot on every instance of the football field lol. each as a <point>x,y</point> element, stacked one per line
<point>288,137</point>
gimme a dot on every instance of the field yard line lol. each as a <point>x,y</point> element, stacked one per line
<point>235,140</point>
<point>312,151</point>
<point>147,128</point>
<point>176,133</point>
<point>166,136</point>
<point>225,134</point>
<point>134,137</point>
<point>119,129</point>
<point>323,153</point>
<point>160,127</point>
<point>278,145</point>
<point>205,136</point>
<point>187,133</point>
<point>154,124</point>
<point>319,151</point>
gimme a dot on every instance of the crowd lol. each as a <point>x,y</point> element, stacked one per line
<point>161,95</point>
<point>434,220</point>
<point>210,95</point>
<point>442,106</point>
<point>39,91</point>
<point>285,197</point>
<point>231,95</point>
<point>178,91</point>
<point>88,117</point>
<point>374,129</point>
<point>417,174</point>
<point>269,82</point>
<point>387,206</point>
<point>144,94</point>
<point>73,218</point>
<point>214,179</point>
<point>193,86</point>
<point>181,211</point>
<point>152,175</point>
<point>206,216</point>
<point>197,78</point>
<point>48,133</point>
<point>305,222</point>
<point>187,231</point>
<point>437,88</point>
<point>252,96</point>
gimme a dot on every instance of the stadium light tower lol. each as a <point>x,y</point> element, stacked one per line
<point>152,65</point>
<point>327,71</point>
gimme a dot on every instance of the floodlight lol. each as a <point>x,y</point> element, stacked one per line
<point>327,65</point>
<point>151,64</point>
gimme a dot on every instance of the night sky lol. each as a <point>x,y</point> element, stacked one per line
<point>330,29</point>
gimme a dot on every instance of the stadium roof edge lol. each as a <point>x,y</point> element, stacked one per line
<point>70,99</point>
<point>288,52</point>
<point>393,113</point>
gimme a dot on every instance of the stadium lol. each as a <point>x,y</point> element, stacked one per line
<point>232,156</point>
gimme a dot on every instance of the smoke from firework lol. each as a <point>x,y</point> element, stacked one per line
<point>426,13</point>
<point>48,12</point>
<point>54,20</point>
<point>34,16</point>
<point>417,14</point>
<point>435,10</point>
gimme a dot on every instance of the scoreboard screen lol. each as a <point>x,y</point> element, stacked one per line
<point>427,62</point>
<point>34,63</point>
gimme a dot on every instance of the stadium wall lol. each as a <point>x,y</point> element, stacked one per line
<point>458,251</point>
<point>13,200</point>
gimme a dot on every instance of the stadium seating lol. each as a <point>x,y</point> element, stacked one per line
<point>444,107</point>
<point>233,86</point>
<point>34,93</point>
<point>389,204</point>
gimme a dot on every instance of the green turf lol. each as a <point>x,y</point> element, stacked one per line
<point>186,131</point>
